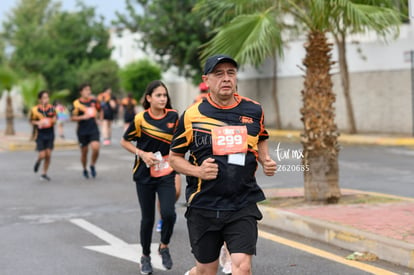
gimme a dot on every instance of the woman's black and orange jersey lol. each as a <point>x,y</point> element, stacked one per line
<point>151,135</point>
<point>90,107</point>
<point>47,116</point>
<point>231,131</point>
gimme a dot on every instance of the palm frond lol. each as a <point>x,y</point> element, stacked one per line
<point>219,12</point>
<point>360,18</point>
<point>30,87</point>
<point>248,38</point>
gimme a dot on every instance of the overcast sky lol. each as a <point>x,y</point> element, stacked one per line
<point>106,8</point>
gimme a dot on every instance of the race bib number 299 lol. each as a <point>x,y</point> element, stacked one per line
<point>229,140</point>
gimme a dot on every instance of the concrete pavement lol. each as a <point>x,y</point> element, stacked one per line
<point>22,142</point>
<point>384,229</point>
<point>385,140</point>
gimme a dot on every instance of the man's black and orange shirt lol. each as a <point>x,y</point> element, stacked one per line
<point>223,133</point>
<point>90,107</point>
<point>151,134</point>
<point>47,117</point>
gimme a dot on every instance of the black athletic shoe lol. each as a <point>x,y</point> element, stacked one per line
<point>36,166</point>
<point>44,177</point>
<point>146,267</point>
<point>166,257</point>
<point>86,174</point>
<point>93,171</point>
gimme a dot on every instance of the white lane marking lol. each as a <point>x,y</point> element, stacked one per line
<point>117,247</point>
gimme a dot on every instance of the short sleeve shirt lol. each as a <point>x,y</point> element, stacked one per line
<point>151,134</point>
<point>47,116</point>
<point>235,186</point>
<point>90,107</point>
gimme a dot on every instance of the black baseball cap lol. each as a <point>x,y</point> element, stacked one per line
<point>212,62</point>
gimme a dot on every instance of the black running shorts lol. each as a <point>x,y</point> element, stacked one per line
<point>44,143</point>
<point>84,140</point>
<point>208,229</point>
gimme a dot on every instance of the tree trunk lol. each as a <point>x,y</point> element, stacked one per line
<point>320,136</point>
<point>9,116</point>
<point>343,65</point>
<point>278,122</point>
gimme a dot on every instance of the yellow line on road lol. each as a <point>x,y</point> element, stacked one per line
<point>324,254</point>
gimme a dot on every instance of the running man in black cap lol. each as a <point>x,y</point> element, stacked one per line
<point>225,135</point>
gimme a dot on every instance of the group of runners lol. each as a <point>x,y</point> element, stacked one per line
<point>87,110</point>
<point>225,137</point>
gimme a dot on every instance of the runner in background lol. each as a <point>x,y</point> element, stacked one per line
<point>43,117</point>
<point>203,88</point>
<point>129,105</point>
<point>62,117</point>
<point>84,111</point>
<point>107,115</point>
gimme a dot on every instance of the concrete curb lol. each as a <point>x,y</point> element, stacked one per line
<point>292,135</point>
<point>391,250</point>
<point>31,145</point>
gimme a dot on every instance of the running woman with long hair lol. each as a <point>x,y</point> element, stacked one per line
<point>152,130</point>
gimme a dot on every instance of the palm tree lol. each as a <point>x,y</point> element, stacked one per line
<point>378,16</point>
<point>259,39</point>
<point>7,80</point>
<point>319,139</point>
<point>252,33</point>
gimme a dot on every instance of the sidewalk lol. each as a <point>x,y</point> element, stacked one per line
<point>384,140</point>
<point>21,142</point>
<point>384,229</point>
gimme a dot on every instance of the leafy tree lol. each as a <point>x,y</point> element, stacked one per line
<point>24,31</point>
<point>101,74</point>
<point>253,33</point>
<point>171,30</point>
<point>53,43</point>
<point>8,79</point>
<point>29,89</point>
<point>2,50</point>
<point>136,76</point>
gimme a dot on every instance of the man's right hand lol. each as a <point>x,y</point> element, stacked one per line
<point>208,169</point>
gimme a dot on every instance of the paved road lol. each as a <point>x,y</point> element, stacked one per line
<point>368,168</point>
<point>45,227</point>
